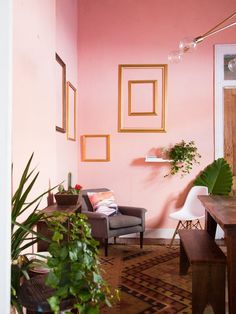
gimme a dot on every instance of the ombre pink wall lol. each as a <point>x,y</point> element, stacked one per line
<point>93,38</point>
<point>115,32</point>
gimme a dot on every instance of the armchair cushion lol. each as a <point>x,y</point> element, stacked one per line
<point>124,221</point>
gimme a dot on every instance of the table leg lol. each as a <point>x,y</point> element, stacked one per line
<point>210,225</point>
<point>230,239</point>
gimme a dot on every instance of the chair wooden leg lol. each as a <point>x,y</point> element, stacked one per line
<point>141,240</point>
<point>114,240</point>
<point>176,231</point>
<point>106,246</point>
<point>198,225</point>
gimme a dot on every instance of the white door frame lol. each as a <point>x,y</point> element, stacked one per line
<point>5,151</point>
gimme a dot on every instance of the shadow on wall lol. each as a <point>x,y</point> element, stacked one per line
<point>173,201</point>
<point>157,169</point>
<point>158,222</point>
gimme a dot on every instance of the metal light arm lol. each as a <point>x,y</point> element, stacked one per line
<point>188,44</point>
<point>216,29</point>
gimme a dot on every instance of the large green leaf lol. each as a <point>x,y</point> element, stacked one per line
<point>217,177</point>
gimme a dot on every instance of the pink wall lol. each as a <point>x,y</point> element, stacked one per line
<point>66,47</point>
<point>42,28</point>
<point>33,89</point>
<point>140,31</point>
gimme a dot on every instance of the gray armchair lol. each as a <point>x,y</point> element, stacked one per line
<point>131,220</point>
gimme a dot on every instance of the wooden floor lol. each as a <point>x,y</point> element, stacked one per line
<point>154,241</point>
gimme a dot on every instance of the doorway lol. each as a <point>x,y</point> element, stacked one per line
<point>225,106</point>
<point>225,109</point>
<point>230,130</point>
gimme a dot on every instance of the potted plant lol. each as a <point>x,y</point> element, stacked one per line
<point>74,266</point>
<point>70,196</point>
<point>74,261</point>
<point>183,156</point>
<point>23,235</point>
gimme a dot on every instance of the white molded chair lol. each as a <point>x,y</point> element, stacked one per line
<point>188,216</point>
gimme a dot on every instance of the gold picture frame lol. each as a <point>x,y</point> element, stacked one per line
<point>71,94</point>
<point>147,120</point>
<point>154,98</point>
<point>60,95</point>
<point>84,142</point>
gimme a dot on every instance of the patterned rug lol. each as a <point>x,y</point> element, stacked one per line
<point>148,280</point>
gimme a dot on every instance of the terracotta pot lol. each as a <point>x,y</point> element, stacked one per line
<point>66,199</point>
<point>13,310</point>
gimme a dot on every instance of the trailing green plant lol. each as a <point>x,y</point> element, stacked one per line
<point>183,156</point>
<point>74,266</point>
<point>23,235</point>
<point>217,176</point>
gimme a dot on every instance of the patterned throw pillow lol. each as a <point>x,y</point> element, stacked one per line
<point>103,202</point>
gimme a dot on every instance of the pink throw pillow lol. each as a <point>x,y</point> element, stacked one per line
<point>103,202</point>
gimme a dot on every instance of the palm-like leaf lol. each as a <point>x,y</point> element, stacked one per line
<point>23,235</point>
<point>217,177</point>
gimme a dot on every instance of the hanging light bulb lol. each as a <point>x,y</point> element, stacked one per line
<point>175,56</point>
<point>232,65</point>
<point>187,44</point>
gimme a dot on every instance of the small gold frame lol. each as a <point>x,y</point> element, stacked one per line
<point>154,98</point>
<point>71,113</point>
<point>161,128</point>
<point>83,147</point>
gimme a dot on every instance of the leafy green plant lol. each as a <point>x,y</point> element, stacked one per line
<point>74,266</point>
<point>22,234</point>
<point>217,177</point>
<point>183,156</point>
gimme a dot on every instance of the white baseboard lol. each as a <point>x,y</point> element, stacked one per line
<point>166,234</point>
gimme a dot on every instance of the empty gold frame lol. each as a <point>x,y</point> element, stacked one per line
<point>71,112</point>
<point>151,84</point>
<point>142,93</point>
<point>95,147</point>
<point>60,95</point>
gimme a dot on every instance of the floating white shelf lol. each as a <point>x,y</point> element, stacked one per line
<point>156,159</point>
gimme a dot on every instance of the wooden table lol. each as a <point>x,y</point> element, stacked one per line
<point>222,210</point>
<point>42,226</point>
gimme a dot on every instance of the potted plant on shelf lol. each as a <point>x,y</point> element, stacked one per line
<point>23,235</point>
<point>73,264</point>
<point>182,157</point>
<point>70,196</point>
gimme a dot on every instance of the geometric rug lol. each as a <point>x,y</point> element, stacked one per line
<point>147,279</point>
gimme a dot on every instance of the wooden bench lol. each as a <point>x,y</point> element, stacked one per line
<point>208,262</point>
